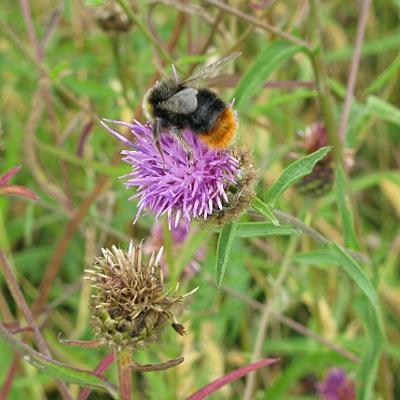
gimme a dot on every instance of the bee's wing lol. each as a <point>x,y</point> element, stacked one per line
<point>182,102</point>
<point>211,69</point>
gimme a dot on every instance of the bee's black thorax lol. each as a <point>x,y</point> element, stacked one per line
<point>202,120</point>
<point>163,91</point>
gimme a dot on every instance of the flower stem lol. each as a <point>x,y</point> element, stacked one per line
<point>122,359</point>
<point>266,314</point>
<point>142,27</point>
<point>323,88</point>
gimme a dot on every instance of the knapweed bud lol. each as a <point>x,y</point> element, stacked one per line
<point>320,181</point>
<point>130,307</point>
<point>111,17</point>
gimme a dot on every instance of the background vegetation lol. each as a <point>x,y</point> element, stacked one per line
<point>282,296</point>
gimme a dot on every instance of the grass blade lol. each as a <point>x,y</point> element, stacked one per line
<point>224,245</point>
<point>56,369</point>
<point>368,367</point>
<point>269,60</point>
<point>356,273</point>
<point>218,383</point>
<point>345,210</point>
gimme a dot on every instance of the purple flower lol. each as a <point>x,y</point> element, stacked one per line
<point>182,189</point>
<point>336,386</point>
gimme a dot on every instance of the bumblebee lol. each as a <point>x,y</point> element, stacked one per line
<point>172,106</point>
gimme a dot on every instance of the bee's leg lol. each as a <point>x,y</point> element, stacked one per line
<point>183,142</point>
<point>156,135</point>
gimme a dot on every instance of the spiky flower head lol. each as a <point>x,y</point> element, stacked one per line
<point>182,189</point>
<point>336,386</point>
<point>131,307</point>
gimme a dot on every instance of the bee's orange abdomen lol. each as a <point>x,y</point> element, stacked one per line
<point>223,131</point>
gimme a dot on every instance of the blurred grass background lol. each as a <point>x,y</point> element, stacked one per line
<point>58,83</point>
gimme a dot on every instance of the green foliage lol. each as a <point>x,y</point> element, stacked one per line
<point>292,174</point>
<point>224,245</point>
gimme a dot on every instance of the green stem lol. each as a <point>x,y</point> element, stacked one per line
<point>141,26</point>
<point>169,257</point>
<point>121,70</point>
<point>122,359</point>
<point>323,88</point>
<point>263,325</point>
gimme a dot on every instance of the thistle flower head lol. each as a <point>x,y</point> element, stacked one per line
<point>130,307</point>
<point>336,386</point>
<point>182,188</point>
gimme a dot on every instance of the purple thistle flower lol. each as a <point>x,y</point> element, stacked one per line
<point>180,189</point>
<point>336,386</point>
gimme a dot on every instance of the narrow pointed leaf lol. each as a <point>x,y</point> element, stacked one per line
<point>345,210</point>
<point>268,61</point>
<point>223,250</point>
<point>217,384</point>
<point>264,210</point>
<point>356,273</point>
<point>292,174</point>
<point>56,369</point>
<point>368,367</point>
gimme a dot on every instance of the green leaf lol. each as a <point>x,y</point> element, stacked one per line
<point>92,89</point>
<point>58,69</point>
<point>317,258</point>
<point>301,366</point>
<point>345,210</point>
<point>262,208</point>
<point>79,161</point>
<point>94,3</point>
<point>293,173</point>
<point>256,229</point>
<point>381,44</point>
<point>284,99</point>
<point>355,272</point>
<point>383,110</point>
<point>268,61</point>
<point>189,248</point>
<point>56,369</point>
<point>368,367</point>
<point>224,245</point>
<point>385,76</point>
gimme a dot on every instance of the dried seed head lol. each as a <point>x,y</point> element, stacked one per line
<point>130,307</point>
